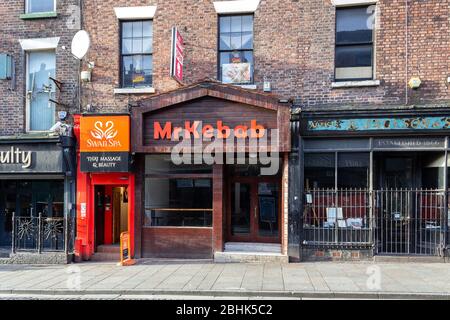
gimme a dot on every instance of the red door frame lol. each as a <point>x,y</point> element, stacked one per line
<point>86,194</point>
<point>85,207</point>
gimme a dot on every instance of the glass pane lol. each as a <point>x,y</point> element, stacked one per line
<point>225,24</point>
<point>319,171</point>
<point>162,164</point>
<point>247,23</point>
<point>353,170</point>
<point>235,41</point>
<point>127,46</point>
<point>7,207</point>
<point>40,6</point>
<point>236,67</point>
<point>147,29</point>
<point>236,24</point>
<point>137,29</point>
<point>354,25</point>
<point>240,209</point>
<point>127,75</point>
<point>127,29</point>
<point>247,40</point>
<point>178,202</point>
<point>41,66</point>
<point>137,45</point>
<point>147,45</point>
<point>268,209</point>
<point>354,56</point>
<point>225,41</point>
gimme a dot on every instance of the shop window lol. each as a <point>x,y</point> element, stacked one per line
<point>319,171</point>
<point>163,164</point>
<point>353,170</point>
<point>177,196</point>
<point>41,66</point>
<point>354,43</point>
<point>39,6</point>
<point>236,49</point>
<point>433,167</point>
<point>136,53</point>
<point>178,202</point>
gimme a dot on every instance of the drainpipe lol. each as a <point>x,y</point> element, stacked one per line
<point>406,52</point>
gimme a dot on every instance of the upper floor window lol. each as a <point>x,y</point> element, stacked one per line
<point>236,49</point>
<point>354,43</point>
<point>41,66</point>
<point>136,53</point>
<point>36,6</point>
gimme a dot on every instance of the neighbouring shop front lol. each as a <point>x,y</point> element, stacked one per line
<point>37,190</point>
<point>372,186</point>
<point>197,200</point>
<point>105,186</point>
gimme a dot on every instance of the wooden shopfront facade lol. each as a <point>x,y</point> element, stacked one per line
<point>192,208</point>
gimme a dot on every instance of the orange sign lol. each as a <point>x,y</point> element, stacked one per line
<point>125,252</point>
<point>197,128</point>
<point>105,134</point>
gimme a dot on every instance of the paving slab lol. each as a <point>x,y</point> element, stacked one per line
<point>164,280</point>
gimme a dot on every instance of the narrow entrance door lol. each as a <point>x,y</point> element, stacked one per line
<point>397,205</point>
<point>254,207</point>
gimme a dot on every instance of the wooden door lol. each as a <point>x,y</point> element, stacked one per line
<point>254,210</point>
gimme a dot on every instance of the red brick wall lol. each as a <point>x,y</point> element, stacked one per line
<point>12,28</point>
<point>294,50</point>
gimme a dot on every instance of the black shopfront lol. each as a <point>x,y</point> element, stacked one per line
<point>365,186</point>
<point>37,196</point>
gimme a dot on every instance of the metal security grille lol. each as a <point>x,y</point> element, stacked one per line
<point>409,222</point>
<point>42,234</point>
<point>337,217</point>
<point>393,221</point>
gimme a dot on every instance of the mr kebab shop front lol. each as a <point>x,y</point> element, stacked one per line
<point>105,185</point>
<point>192,209</point>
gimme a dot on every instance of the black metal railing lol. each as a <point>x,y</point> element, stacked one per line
<point>392,221</point>
<point>409,221</point>
<point>42,234</point>
<point>337,217</point>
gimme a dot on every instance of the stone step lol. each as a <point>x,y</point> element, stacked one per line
<point>252,247</point>
<point>250,257</point>
<point>106,257</point>
<point>4,254</point>
<point>108,249</point>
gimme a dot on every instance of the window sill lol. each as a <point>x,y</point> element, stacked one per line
<point>147,90</point>
<point>247,86</point>
<point>38,15</point>
<point>355,84</point>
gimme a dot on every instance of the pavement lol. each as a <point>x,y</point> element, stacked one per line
<point>206,280</point>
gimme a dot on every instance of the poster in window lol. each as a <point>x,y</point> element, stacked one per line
<point>236,72</point>
<point>267,209</point>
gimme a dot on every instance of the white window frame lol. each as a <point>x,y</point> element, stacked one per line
<point>28,11</point>
<point>27,82</point>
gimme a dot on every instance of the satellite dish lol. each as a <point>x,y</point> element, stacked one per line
<point>80,44</point>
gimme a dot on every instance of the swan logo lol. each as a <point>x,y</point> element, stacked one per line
<point>105,134</point>
<point>104,130</point>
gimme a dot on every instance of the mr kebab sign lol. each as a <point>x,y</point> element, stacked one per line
<point>177,57</point>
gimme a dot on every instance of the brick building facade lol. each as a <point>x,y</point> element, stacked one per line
<point>16,27</point>
<point>35,39</point>
<point>293,49</point>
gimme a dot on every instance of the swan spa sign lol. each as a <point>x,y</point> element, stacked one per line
<point>105,143</point>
